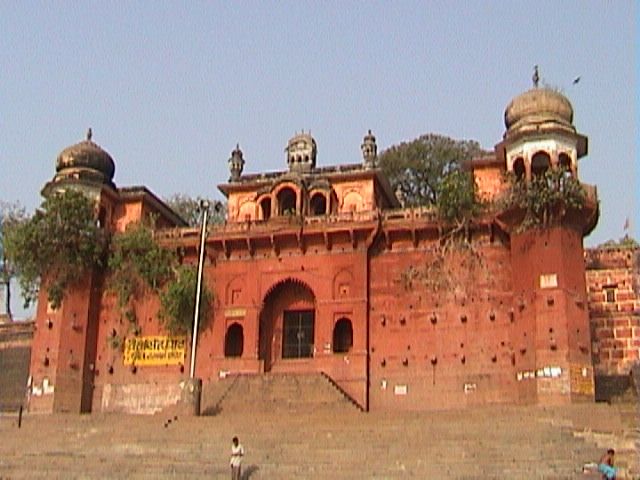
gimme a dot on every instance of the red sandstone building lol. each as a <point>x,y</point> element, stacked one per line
<point>321,270</point>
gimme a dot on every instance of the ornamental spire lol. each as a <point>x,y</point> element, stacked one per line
<point>536,76</point>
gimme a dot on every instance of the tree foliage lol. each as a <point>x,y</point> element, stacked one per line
<point>59,244</point>
<point>136,261</point>
<point>62,242</point>
<point>178,302</point>
<point>624,242</point>
<point>417,168</point>
<point>189,209</point>
<point>457,199</point>
<point>546,198</point>
<point>11,216</point>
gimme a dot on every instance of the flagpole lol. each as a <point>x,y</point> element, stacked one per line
<point>204,205</point>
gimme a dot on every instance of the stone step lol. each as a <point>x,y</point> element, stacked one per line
<point>474,443</point>
<point>274,392</point>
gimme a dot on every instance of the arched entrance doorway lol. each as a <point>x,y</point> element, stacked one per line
<point>287,323</point>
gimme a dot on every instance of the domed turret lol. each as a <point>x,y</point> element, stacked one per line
<point>538,110</point>
<point>85,161</point>
<point>301,153</point>
<point>540,134</point>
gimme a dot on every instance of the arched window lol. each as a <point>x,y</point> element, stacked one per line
<point>286,202</point>
<point>342,336</point>
<point>102,218</point>
<point>540,163</point>
<point>564,161</point>
<point>234,341</point>
<point>518,168</point>
<point>265,206</point>
<point>318,204</point>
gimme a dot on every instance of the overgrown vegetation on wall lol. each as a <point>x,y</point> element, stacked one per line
<point>60,242</point>
<point>545,199</point>
<point>457,199</point>
<point>177,302</point>
<point>63,244</point>
<point>137,264</point>
<point>450,272</point>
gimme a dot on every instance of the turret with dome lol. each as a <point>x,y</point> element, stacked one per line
<point>540,134</point>
<point>85,160</point>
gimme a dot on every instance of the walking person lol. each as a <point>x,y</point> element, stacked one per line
<point>237,452</point>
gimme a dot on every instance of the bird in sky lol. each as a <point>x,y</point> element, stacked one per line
<point>576,80</point>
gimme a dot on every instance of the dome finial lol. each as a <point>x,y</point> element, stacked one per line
<point>89,134</point>
<point>536,76</point>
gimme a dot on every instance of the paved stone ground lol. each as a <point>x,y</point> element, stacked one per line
<point>487,443</point>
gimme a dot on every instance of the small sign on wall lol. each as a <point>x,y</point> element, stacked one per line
<point>235,312</point>
<point>582,380</point>
<point>549,280</point>
<point>400,390</point>
<point>155,350</point>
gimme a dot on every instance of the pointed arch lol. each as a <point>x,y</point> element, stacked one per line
<point>234,341</point>
<point>287,322</point>
<point>342,336</point>
<point>540,163</point>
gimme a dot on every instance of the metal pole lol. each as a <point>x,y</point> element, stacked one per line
<point>204,205</point>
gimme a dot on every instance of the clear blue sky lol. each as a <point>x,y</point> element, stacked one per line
<point>169,88</point>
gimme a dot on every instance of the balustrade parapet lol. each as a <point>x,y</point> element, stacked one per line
<point>273,224</point>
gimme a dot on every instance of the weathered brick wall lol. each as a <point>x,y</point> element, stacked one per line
<point>613,280</point>
<point>441,326</point>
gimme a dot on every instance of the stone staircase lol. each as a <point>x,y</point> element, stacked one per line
<point>476,443</point>
<point>620,432</point>
<point>276,392</point>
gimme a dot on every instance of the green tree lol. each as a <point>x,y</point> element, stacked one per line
<point>11,216</point>
<point>135,261</point>
<point>624,242</point>
<point>178,302</point>
<point>189,209</point>
<point>417,168</point>
<point>456,198</point>
<point>59,244</point>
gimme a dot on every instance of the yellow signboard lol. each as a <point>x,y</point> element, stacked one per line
<point>155,350</point>
<point>235,312</point>
<point>582,380</point>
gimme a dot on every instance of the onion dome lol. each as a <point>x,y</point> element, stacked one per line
<point>85,161</point>
<point>538,110</point>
